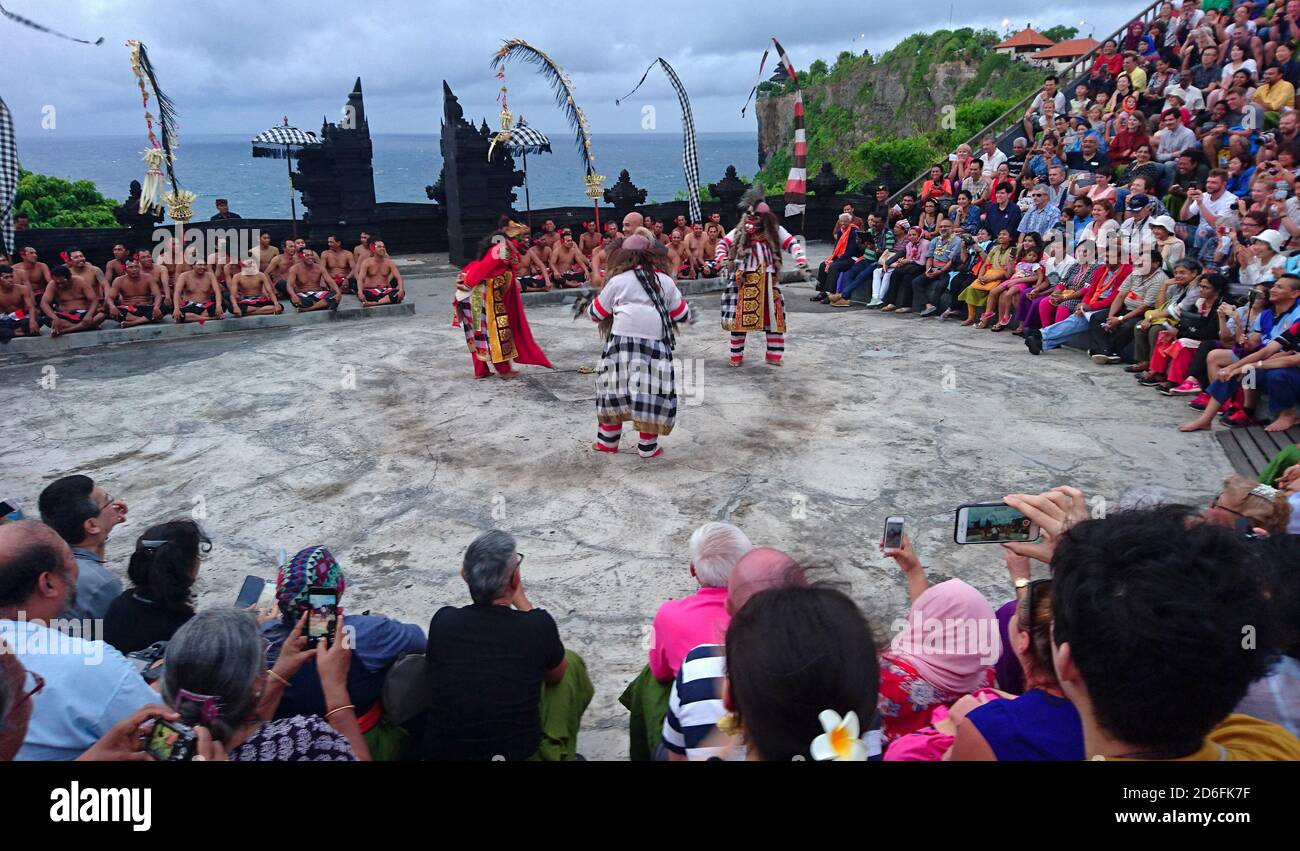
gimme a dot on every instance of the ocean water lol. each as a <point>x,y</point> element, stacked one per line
<point>216,166</point>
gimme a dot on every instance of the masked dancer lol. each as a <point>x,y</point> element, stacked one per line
<point>751,258</point>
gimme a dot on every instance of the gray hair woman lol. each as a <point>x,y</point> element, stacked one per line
<point>216,676</point>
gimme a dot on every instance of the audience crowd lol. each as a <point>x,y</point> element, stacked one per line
<point>1148,215</point>
<point>1124,643</point>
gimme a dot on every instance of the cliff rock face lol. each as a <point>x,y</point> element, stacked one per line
<point>882,99</point>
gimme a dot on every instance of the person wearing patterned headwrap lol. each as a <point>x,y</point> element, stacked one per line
<point>377,641</point>
<point>752,257</point>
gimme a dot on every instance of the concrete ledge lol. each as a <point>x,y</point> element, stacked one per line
<point>168,330</point>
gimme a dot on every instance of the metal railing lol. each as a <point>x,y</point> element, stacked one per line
<point>1001,125</point>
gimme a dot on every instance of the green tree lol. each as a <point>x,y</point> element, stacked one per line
<point>818,70</point>
<point>51,202</point>
<point>1061,33</point>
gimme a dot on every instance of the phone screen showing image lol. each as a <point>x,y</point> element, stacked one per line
<point>993,524</point>
<point>893,538</point>
<point>322,606</point>
<point>168,742</point>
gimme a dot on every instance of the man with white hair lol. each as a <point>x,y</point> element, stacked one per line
<point>679,625</point>
<point>702,617</point>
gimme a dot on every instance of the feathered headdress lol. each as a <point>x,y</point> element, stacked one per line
<point>753,196</point>
<point>564,93</point>
<point>28,22</point>
<point>161,153</point>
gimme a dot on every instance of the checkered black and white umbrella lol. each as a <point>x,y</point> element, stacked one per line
<point>527,140</point>
<point>277,142</point>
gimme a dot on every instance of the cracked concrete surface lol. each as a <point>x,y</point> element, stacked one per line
<point>372,438</point>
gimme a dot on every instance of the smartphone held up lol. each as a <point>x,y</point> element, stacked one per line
<point>993,523</point>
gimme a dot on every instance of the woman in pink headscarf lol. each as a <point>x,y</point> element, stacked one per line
<point>946,651</point>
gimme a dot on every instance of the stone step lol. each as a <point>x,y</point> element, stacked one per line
<point>112,334</point>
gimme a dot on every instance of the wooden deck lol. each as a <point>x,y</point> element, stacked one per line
<point>1250,449</point>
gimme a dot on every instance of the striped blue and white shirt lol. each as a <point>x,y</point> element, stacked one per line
<point>695,704</point>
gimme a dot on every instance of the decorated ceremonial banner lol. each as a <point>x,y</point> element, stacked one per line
<point>796,185</point>
<point>690,153</point>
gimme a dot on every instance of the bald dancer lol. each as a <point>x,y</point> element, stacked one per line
<point>378,280</point>
<point>133,298</point>
<point>309,287</point>
<point>690,730</point>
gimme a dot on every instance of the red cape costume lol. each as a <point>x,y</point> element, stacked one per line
<point>491,265</point>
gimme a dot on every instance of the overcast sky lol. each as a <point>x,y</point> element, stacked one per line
<point>240,72</point>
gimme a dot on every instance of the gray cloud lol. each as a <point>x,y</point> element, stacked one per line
<point>240,72</point>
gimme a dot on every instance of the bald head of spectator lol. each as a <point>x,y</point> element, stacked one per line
<point>631,222</point>
<point>758,570</point>
<point>38,575</point>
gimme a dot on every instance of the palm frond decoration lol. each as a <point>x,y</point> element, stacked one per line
<point>168,129</point>
<point>28,22</point>
<point>517,48</point>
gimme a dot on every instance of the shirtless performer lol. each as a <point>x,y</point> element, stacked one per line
<point>680,227</point>
<point>341,265</point>
<point>679,259</point>
<point>18,316</point>
<point>362,251</point>
<point>569,268</point>
<point>310,288</point>
<point>301,245</point>
<point>534,273</point>
<point>251,291</point>
<point>197,297</point>
<point>538,245</point>
<point>116,267</point>
<point>599,258</point>
<point>159,275</point>
<point>695,244</point>
<point>611,232</point>
<point>88,272</point>
<point>266,252</point>
<point>658,230</point>
<point>713,234</point>
<point>32,272</point>
<point>173,260</point>
<point>715,219</point>
<point>222,264</point>
<point>550,236</point>
<point>134,298</point>
<point>378,280</point>
<point>590,239</point>
<point>631,222</point>
<point>281,264</point>
<point>69,305</point>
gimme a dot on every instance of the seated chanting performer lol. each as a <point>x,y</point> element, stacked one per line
<point>197,297</point>
<point>378,281</point>
<point>133,297</point>
<point>159,275</point>
<point>569,268</point>
<point>309,287</point>
<point>341,265</point>
<point>278,269</point>
<point>487,293</point>
<point>70,304</point>
<point>251,291</point>
<point>18,316</point>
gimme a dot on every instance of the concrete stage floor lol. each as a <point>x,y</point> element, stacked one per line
<point>372,438</point>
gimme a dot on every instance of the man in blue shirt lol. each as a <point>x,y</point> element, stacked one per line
<point>1082,217</point>
<point>84,515</point>
<point>1041,218</point>
<point>78,688</point>
<point>1001,213</point>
